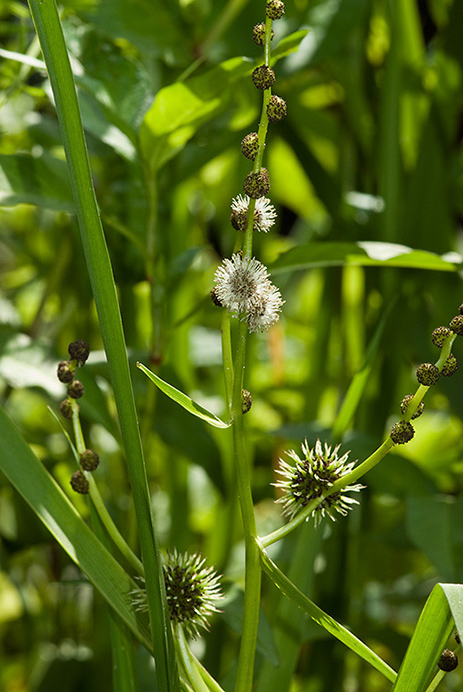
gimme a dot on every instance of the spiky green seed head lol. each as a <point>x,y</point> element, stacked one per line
<point>275,9</point>
<point>427,374</point>
<point>448,661</point>
<point>276,109</point>
<point>257,185</point>
<point>402,432</point>
<point>310,477</point>
<point>79,483</point>
<point>192,592</point>
<point>404,405</point>
<point>439,335</point>
<point>263,77</point>
<point>456,325</point>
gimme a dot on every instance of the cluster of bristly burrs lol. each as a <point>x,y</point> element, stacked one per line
<point>88,459</point>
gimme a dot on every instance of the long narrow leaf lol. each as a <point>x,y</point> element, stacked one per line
<point>184,400</point>
<point>366,254</point>
<point>50,33</point>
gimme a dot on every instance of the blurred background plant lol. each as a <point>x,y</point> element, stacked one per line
<point>370,151</point>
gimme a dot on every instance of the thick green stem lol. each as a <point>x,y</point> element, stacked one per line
<point>48,26</point>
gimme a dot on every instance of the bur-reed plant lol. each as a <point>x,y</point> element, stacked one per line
<point>181,592</point>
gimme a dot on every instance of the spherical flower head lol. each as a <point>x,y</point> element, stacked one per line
<point>79,483</point>
<point>239,281</point>
<point>265,309</point>
<point>250,145</point>
<point>258,34</point>
<point>78,351</point>
<point>448,661</point>
<point>89,460</point>
<point>439,335</point>
<point>76,389</point>
<point>275,9</point>
<point>276,109</point>
<point>192,591</point>
<point>402,432</point>
<point>264,214</point>
<point>263,77</point>
<point>450,366</point>
<point>310,477</point>
<point>257,185</point>
<point>427,374</point>
<point>404,405</point>
<point>66,408</point>
<point>65,372</point>
<point>456,325</point>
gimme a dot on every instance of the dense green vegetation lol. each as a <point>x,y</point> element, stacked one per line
<point>366,174</point>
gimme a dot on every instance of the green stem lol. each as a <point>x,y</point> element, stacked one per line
<point>48,26</point>
<point>227,358</point>
<point>252,571</point>
<point>189,662</point>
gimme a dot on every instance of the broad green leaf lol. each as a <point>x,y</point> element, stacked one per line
<point>40,180</point>
<point>47,500</point>
<point>184,400</point>
<point>364,253</point>
<point>443,607</point>
<point>180,108</point>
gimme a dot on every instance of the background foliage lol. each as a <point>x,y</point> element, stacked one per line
<point>370,151</point>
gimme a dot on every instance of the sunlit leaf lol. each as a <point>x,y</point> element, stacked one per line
<point>184,400</point>
<point>364,253</point>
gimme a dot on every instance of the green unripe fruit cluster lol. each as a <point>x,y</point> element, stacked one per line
<point>427,374</point>
<point>402,432</point>
<point>263,77</point>
<point>257,184</point>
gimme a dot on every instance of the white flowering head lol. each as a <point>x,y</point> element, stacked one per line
<point>238,281</point>
<point>264,214</point>
<point>192,591</point>
<point>265,310</point>
<point>242,286</point>
<point>308,478</point>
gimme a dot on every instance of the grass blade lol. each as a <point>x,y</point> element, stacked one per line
<point>184,400</point>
